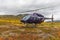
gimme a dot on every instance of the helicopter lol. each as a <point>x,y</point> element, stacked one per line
<point>35,18</point>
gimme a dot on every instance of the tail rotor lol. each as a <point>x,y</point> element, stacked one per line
<point>52,18</point>
<point>52,21</point>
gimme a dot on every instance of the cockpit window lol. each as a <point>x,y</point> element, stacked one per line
<point>26,17</point>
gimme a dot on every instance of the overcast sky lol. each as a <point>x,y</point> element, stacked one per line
<point>14,7</point>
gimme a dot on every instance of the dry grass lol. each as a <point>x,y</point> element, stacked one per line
<point>10,29</point>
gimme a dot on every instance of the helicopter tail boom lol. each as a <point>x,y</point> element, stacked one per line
<point>50,18</point>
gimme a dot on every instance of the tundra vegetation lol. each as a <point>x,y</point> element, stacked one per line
<point>11,28</point>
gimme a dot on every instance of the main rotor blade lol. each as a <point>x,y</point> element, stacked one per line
<point>39,9</point>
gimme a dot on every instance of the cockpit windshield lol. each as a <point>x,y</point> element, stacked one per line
<point>26,17</point>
